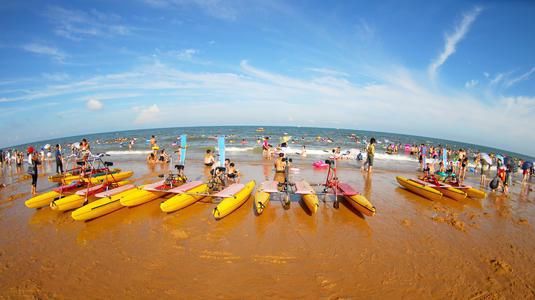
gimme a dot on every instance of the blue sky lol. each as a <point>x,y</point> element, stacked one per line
<point>460,70</point>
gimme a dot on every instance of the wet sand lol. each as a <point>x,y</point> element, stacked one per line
<point>412,248</point>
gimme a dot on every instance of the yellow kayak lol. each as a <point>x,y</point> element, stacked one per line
<point>312,202</point>
<point>180,201</point>
<point>110,177</point>
<point>263,194</point>
<point>77,200</point>
<point>140,196</point>
<point>361,204</point>
<point>452,193</point>
<point>101,206</point>
<point>69,177</point>
<point>476,193</point>
<point>230,204</point>
<point>308,194</point>
<point>419,189</point>
<point>356,200</point>
<point>45,198</point>
<point>261,200</point>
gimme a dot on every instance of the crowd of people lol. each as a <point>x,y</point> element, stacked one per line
<point>450,163</point>
<point>433,160</point>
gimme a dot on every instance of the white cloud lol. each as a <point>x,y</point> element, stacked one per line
<point>486,74</point>
<point>185,54</point>
<point>471,83</point>
<point>56,76</point>
<point>45,50</point>
<point>94,104</point>
<point>451,40</point>
<point>147,114</point>
<point>497,79</point>
<point>395,101</point>
<point>510,82</point>
<point>219,9</point>
<point>77,25</point>
<point>327,71</point>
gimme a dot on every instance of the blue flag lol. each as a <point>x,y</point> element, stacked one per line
<point>221,146</point>
<point>183,145</point>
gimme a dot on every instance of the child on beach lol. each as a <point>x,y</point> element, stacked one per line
<point>280,164</point>
<point>441,167</point>
<point>233,174</point>
<point>209,159</point>
<point>151,158</point>
<point>164,157</point>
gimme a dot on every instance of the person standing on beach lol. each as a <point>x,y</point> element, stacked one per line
<point>85,149</point>
<point>483,178</point>
<point>370,154</point>
<point>59,160</point>
<point>152,141</point>
<point>265,147</point>
<point>178,153</point>
<point>32,169</point>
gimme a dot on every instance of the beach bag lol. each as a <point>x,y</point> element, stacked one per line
<point>493,184</point>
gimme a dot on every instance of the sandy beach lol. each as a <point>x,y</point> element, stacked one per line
<point>412,248</point>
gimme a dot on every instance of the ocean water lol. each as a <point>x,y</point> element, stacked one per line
<point>244,142</point>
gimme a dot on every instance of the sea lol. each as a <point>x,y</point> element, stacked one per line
<point>244,142</point>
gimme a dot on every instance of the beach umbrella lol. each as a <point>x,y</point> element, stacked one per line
<point>486,157</point>
<point>498,156</point>
<point>527,165</point>
<point>76,145</point>
<point>47,146</point>
<point>30,150</point>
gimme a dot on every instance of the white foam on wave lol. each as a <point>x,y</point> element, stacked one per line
<point>129,152</point>
<point>239,149</point>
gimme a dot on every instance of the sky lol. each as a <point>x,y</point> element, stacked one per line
<point>458,70</point>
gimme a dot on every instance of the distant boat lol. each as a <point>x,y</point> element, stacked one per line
<point>260,129</point>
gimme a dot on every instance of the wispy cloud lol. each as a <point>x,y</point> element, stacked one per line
<point>45,50</point>
<point>471,83</point>
<point>364,30</point>
<point>251,91</point>
<point>185,54</point>
<point>219,9</point>
<point>55,76</point>
<point>77,25</point>
<point>146,115</point>
<point>451,40</point>
<point>328,72</point>
<point>497,79</point>
<point>512,81</point>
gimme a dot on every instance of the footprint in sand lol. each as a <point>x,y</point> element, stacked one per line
<point>500,267</point>
<point>218,255</point>
<point>273,259</point>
